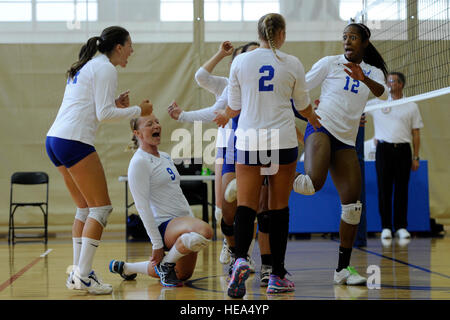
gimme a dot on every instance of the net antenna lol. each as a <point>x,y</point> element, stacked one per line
<point>413,36</point>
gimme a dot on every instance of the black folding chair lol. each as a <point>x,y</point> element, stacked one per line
<point>27,178</point>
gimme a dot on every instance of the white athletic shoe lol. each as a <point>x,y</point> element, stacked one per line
<point>402,234</point>
<point>231,191</point>
<point>349,276</point>
<point>70,283</point>
<point>386,234</point>
<point>92,283</point>
<point>225,254</point>
<point>264,275</point>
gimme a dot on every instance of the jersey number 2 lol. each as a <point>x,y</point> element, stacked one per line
<point>264,78</point>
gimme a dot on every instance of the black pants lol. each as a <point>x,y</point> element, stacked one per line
<point>393,163</point>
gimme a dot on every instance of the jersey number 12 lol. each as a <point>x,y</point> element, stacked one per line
<point>354,86</point>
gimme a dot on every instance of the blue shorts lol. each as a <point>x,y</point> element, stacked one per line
<point>335,144</point>
<point>66,152</point>
<point>162,230</point>
<point>228,167</point>
<point>267,157</point>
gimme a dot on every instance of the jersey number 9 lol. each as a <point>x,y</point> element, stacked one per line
<point>264,78</point>
<point>172,174</point>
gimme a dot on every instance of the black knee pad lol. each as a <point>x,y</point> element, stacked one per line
<point>227,230</point>
<point>263,221</point>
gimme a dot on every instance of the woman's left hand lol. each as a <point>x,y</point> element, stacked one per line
<point>355,71</point>
<point>123,101</point>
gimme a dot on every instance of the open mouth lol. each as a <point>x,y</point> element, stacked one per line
<point>156,135</point>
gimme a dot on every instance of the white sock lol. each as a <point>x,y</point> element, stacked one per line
<point>76,250</point>
<point>88,249</point>
<point>136,267</point>
<point>173,255</point>
<point>304,185</point>
<point>250,249</point>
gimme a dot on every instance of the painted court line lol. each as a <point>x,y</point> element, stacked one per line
<point>405,263</point>
<point>16,276</point>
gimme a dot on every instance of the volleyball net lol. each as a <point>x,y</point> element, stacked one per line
<point>413,36</point>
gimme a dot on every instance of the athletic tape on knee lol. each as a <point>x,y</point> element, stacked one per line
<point>263,221</point>
<point>218,213</point>
<point>100,214</point>
<point>226,229</point>
<point>82,214</point>
<point>351,213</point>
<point>194,241</point>
<point>304,185</point>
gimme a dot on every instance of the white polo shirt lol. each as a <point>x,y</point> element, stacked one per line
<point>155,185</point>
<point>89,99</point>
<point>261,86</point>
<point>395,124</point>
<point>342,99</point>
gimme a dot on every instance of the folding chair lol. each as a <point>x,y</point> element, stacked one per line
<point>27,178</point>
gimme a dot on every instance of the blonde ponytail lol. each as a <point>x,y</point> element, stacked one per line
<point>134,144</point>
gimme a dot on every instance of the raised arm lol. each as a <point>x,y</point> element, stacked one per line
<point>203,76</point>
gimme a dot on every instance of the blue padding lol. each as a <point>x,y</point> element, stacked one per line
<point>321,212</point>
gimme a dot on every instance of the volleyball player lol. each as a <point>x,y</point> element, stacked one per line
<point>89,99</point>
<point>346,81</point>
<point>261,84</point>
<point>171,226</point>
<point>224,139</point>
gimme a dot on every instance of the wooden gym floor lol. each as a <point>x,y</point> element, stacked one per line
<point>419,270</point>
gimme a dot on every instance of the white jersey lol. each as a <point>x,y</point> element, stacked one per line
<point>217,86</point>
<point>155,186</point>
<point>342,99</point>
<point>395,124</point>
<point>89,99</point>
<point>261,86</point>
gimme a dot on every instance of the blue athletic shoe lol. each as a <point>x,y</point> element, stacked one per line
<point>116,266</point>
<point>167,275</point>
<point>241,271</point>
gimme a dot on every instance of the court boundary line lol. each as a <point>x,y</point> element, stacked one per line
<point>17,275</point>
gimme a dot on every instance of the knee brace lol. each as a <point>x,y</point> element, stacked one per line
<point>263,221</point>
<point>194,241</point>
<point>82,214</point>
<point>226,229</point>
<point>218,213</point>
<point>100,214</point>
<point>304,185</point>
<point>351,213</point>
